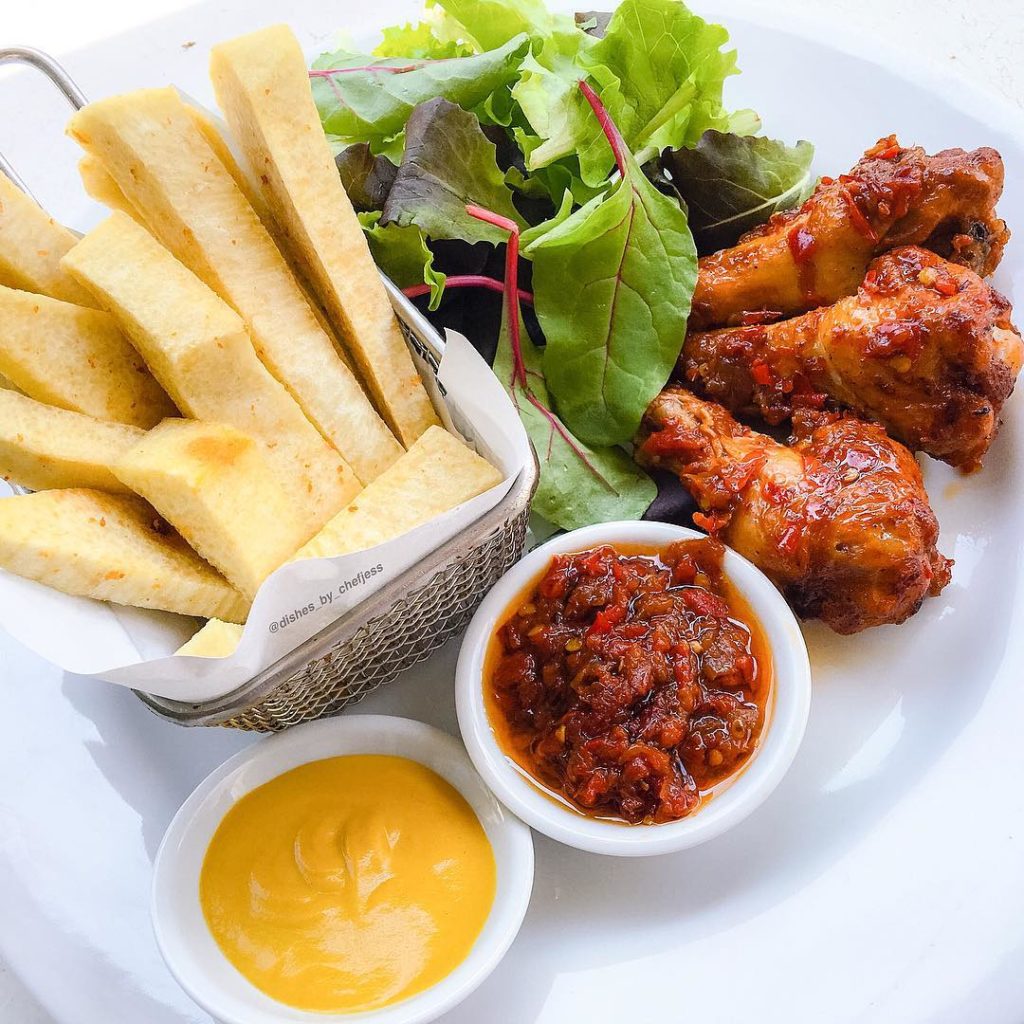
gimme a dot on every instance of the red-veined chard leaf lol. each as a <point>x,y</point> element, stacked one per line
<point>448,164</point>
<point>659,71</point>
<point>612,287</point>
<point>579,484</point>
<point>363,98</point>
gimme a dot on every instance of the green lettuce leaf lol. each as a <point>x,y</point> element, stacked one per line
<point>671,67</point>
<point>554,178</point>
<point>419,42</point>
<point>659,71</point>
<point>492,23</point>
<point>612,285</point>
<point>548,94</point>
<point>497,109</point>
<point>562,213</point>
<point>359,99</point>
<point>448,164</point>
<point>732,183</point>
<point>390,148</point>
<point>403,254</point>
<point>579,485</point>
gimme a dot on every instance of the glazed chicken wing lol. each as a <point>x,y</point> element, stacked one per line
<point>817,254</point>
<point>925,347</point>
<point>839,521</point>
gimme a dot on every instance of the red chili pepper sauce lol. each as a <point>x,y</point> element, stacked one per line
<point>631,683</point>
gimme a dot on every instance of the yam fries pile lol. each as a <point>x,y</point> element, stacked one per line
<point>213,381</point>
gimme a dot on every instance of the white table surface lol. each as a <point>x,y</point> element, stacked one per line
<point>984,39</point>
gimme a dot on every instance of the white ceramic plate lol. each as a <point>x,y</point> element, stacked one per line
<point>884,879</point>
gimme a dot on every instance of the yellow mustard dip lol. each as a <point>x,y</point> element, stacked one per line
<point>349,883</point>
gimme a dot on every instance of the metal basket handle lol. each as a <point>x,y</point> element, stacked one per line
<point>43,62</point>
<point>28,55</point>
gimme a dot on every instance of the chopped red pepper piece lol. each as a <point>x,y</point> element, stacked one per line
<point>790,540</point>
<point>857,218</point>
<point>887,148</point>
<point>712,522</point>
<point>605,619</point>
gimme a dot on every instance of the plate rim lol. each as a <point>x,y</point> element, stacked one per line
<point>981,103</point>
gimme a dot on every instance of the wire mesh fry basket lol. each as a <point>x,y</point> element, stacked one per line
<point>396,627</point>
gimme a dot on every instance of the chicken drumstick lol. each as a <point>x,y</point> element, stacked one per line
<point>925,347</point>
<point>840,521</point>
<point>817,254</point>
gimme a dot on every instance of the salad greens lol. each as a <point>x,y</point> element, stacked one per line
<point>579,485</point>
<point>659,71</point>
<point>732,183</point>
<point>419,42</point>
<point>599,150</point>
<point>370,99</point>
<point>448,163</point>
<point>613,280</point>
<point>366,178</point>
<point>488,24</point>
<point>405,253</point>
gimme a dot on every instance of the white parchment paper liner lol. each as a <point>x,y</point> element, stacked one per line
<point>133,647</point>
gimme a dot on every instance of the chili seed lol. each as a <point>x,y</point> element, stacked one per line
<point>715,758</point>
<point>527,609</point>
<point>573,645</point>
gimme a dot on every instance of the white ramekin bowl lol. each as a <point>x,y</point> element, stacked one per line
<point>191,952</point>
<point>783,730</point>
